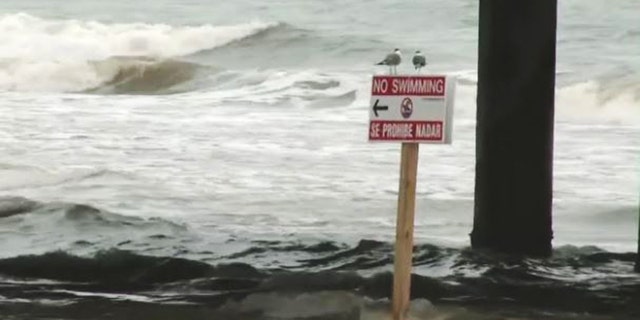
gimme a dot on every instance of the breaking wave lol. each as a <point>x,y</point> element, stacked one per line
<point>592,101</point>
<point>598,101</point>
<point>33,37</point>
<point>131,75</point>
<point>60,55</point>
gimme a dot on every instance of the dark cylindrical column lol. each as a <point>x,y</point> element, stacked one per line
<point>515,123</point>
<point>638,254</point>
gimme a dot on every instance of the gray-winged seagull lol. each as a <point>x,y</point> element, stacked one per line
<point>392,60</point>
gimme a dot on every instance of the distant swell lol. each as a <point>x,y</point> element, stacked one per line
<point>86,215</point>
<point>281,35</point>
<point>11,206</point>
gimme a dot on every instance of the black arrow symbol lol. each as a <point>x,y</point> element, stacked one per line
<point>377,108</point>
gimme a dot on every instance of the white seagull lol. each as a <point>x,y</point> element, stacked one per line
<point>392,60</point>
<point>419,61</point>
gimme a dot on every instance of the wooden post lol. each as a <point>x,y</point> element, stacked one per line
<point>404,230</point>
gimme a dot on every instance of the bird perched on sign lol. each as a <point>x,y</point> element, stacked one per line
<point>419,61</point>
<point>392,60</point>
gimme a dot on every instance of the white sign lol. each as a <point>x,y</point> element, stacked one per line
<point>412,109</point>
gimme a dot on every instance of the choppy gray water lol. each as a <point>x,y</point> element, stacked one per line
<point>236,133</point>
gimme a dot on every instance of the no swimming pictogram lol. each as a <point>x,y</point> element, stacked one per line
<point>406,108</point>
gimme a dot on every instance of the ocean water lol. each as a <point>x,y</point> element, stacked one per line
<point>157,155</point>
